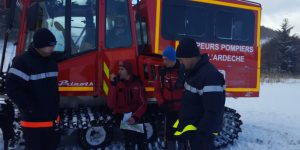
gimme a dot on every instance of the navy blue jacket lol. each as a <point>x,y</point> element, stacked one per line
<point>203,100</point>
<point>32,85</point>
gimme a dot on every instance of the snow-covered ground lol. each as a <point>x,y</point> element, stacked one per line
<point>272,121</point>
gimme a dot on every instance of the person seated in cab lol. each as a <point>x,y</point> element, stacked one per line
<point>119,36</point>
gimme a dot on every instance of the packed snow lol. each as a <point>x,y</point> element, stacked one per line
<point>272,121</point>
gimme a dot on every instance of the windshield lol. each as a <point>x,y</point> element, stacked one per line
<point>80,16</point>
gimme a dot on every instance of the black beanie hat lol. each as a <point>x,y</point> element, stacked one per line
<point>187,48</point>
<point>43,38</point>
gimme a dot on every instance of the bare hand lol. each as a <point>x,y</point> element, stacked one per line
<point>131,121</point>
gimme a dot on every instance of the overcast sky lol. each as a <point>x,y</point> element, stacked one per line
<point>274,11</point>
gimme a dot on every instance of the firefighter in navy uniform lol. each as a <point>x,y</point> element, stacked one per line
<point>202,105</point>
<point>32,85</point>
<point>168,92</point>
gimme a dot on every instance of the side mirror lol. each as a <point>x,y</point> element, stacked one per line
<point>33,14</point>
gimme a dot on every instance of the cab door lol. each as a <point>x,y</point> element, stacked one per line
<point>119,40</point>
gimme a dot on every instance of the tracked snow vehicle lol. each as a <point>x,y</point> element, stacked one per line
<point>228,30</point>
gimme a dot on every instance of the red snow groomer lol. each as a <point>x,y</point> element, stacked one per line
<point>88,50</point>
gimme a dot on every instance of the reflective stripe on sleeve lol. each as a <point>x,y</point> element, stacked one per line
<point>19,73</point>
<point>206,89</point>
<point>214,88</point>
<point>26,77</point>
<point>43,75</point>
<point>190,88</point>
